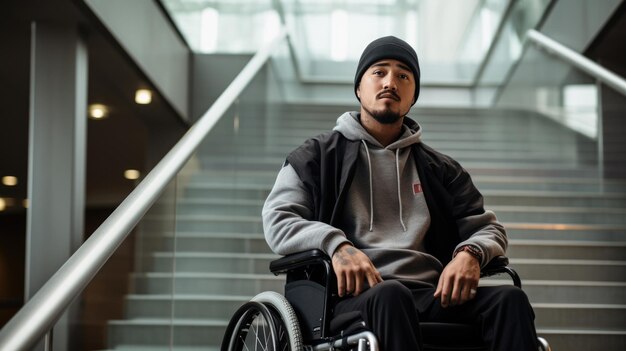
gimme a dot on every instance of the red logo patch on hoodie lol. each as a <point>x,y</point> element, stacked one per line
<point>417,188</point>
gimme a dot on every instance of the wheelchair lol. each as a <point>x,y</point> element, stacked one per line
<point>301,319</point>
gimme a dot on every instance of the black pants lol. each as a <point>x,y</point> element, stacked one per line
<point>393,310</point>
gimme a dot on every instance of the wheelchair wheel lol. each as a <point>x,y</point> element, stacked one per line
<point>264,323</point>
<point>288,319</point>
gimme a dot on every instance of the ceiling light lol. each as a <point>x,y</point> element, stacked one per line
<point>9,181</point>
<point>98,111</point>
<point>25,203</point>
<point>131,174</point>
<point>143,96</point>
<point>3,204</point>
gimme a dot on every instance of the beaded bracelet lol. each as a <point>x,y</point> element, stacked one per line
<point>472,250</point>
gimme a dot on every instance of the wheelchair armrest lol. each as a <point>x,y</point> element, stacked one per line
<point>496,263</point>
<point>297,260</point>
<point>310,287</point>
<point>499,264</point>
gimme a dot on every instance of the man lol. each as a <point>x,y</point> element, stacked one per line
<point>404,225</point>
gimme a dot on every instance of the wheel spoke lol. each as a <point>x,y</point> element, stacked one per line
<point>266,335</point>
<point>243,342</point>
<point>255,329</point>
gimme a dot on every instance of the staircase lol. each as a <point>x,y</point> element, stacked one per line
<point>567,229</point>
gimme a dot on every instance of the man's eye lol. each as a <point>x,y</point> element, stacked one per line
<point>404,76</point>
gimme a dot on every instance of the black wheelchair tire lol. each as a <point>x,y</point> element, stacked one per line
<point>287,316</point>
<point>268,309</point>
<point>242,322</point>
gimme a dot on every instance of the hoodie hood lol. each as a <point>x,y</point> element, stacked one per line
<point>349,125</point>
<point>384,172</point>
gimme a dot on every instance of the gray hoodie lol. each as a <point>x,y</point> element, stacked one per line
<point>385,215</point>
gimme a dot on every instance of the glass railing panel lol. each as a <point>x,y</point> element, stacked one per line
<point>222,259</point>
<point>509,47</point>
<point>544,85</point>
<point>552,87</point>
<point>480,33</point>
<point>129,302</point>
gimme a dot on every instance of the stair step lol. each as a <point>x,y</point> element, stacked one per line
<point>475,167</point>
<point>571,292</point>
<point>206,283</point>
<point>206,242</point>
<point>212,191</point>
<point>566,249</point>
<point>255,243</point>
<point>564,215</point>
<point>583,270</point>
<point>217,206</point>
<point>466,152</point>
<point>210,223</point>
<point>495,197</point>
<point>518,182</point>
<point>477,164</point>
<point>252,224</point>
<point>548,315</point>
<point>183,306</point>
<point>250,217</point>
<point>536,269</point>
<point>466,132</point>
<point>584,339</point>
<point>554,199</point>
<point>250,210</point>
<point>158,332</point>
<point>288,136</point>
<point>479,169</point>
<point>494,193</point>
<point>252,263</point>
<point>579,316</point>
<point>223,306</point>
<point>511,181</point>
<point>565,231</point>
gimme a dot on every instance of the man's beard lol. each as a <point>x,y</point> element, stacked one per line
<point>385,116</point>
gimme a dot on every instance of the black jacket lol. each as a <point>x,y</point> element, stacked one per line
<point>326,165</point>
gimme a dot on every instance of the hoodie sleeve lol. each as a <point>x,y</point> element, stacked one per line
<point>485,233</point>
<point>480,228</point>
<point>287,220</point>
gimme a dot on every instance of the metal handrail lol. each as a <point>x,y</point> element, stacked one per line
<point>577,60</point>
<point>40,314</point>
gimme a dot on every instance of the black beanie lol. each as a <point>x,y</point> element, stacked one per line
<point>388,48</point>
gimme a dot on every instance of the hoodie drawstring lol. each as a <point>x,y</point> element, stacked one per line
<point>399,194</point>
<point>369,167</point>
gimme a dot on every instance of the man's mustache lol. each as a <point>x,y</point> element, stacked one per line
<point>388,93</point>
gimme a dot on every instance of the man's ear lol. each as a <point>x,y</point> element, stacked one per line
<point>358,91</point>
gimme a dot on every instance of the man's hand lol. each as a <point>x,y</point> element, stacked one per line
<point>352,267</point>
<point>459,280</point>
